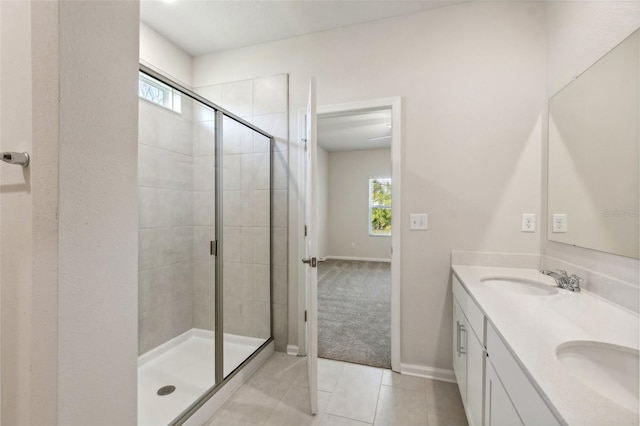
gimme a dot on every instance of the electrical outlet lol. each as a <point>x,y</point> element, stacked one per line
<point>559,223</point>
<point>418,222</point>
<point>528,222</point>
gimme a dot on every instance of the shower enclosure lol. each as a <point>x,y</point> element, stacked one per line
<point>204,248</point>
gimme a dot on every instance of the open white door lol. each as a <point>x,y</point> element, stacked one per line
<point>311,246</point>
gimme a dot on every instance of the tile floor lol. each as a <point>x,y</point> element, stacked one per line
<point>348,394</point>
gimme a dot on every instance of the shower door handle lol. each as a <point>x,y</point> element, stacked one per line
<point>310,261</point>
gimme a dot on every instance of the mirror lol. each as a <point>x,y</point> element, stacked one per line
<point>593,171</point>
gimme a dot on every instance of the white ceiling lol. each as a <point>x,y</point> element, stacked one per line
<point>199,26</point>
<point>341,132</point>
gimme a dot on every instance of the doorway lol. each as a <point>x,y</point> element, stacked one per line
<point>359,191</point>
<point>354,193</point>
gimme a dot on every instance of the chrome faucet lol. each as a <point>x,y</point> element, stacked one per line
<point>571,283</point>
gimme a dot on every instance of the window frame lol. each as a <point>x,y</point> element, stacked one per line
<point>172,100</point>
<point>375,206</point>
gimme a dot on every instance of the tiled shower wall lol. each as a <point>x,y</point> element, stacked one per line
<point>165,181</point>
<point>177,214</point>
<point>263,102</point>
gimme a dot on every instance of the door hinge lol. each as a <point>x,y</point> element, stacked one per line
<point>305,316</point>
<point>213,248</point>
<point>305,230</point>
<point>313,261</point>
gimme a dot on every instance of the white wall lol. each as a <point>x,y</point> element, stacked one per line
<point>471,78</point>
<point>28,282</point>
<point>28,205</point>
<point>323,203</point>
<point>580,33</point>
<point>98,213</point>
<point>348,206</point>
<point>161,55</point>
<point>69,220</point>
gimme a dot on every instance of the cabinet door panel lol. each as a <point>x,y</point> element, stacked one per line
<point>530,405</point>
<point>475,375</point>
<point>499,410</point>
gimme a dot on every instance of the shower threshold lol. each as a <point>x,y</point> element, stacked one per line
<point>186,362</point>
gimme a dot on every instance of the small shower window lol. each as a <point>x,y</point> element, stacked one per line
<point>153,91</point>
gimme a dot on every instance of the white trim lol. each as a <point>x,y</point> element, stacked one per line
<point>396,223</point>
<point>363,259</point>
<point>292,350</point>
<point>395,104</point>
<point>214,403</point>
<point>301,185</point>
<point>433,373</point>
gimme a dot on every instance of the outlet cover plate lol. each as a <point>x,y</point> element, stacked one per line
<point>528,222</point>
<point>559,223</point>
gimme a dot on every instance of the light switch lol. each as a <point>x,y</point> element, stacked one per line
<point>418,222</point>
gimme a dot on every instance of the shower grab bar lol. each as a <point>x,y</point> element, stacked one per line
<point>19,158</point>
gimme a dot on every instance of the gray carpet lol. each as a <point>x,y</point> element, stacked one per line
<point>354,312</point>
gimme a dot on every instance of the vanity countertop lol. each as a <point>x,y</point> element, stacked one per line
<point>533,326</point>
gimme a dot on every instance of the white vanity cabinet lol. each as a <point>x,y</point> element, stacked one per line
<point>499,410</point>
<point>493,386</point>
<point>518,395</point>
<point>468,352</point>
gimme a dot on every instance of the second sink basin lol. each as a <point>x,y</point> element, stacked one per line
<point>520,286</point>
<point>610,370</point>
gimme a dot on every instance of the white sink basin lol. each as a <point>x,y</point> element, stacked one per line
<point>520,286</point>
<point>610,370</point>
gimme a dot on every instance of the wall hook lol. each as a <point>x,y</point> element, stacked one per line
<point>20,158</point>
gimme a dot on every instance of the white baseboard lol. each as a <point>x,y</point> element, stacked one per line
<point>363,259</point>
<point>440,374</point>
<point>292,350</point>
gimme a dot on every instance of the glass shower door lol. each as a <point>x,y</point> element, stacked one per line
<point>246,242</point>
<point>205,229</point>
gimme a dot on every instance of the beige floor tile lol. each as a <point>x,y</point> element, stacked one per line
<point>280,362</point>
<point>295,409</point>
<point>277,375</point>
<point>355,396</point>
<point>329,372</point>
<point>361,374</point>
<point>389,378</point>
<point>331,420</point>
<point>302,380</point>
<point>397,406</point>
<point>444,405</point>
<point>250,405</point>
<point>224,418</point>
